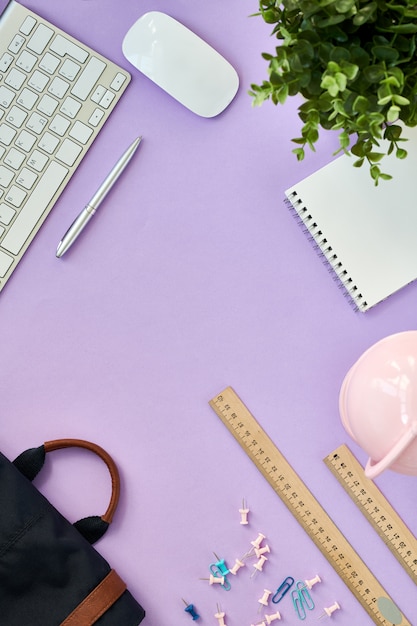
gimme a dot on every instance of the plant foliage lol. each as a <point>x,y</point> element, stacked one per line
<point>354,62</point>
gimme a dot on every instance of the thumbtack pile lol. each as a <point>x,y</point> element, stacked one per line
<point>300,594</point>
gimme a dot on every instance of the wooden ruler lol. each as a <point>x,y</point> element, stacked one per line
<point>306,509</point>
<point>376,508</point>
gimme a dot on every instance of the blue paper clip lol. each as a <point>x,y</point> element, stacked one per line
<point>302,600</point>
<point>282,589</point>
<point>298,605</point>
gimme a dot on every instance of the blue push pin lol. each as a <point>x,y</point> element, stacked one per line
<point>189,608</point>
<point>220,565</point>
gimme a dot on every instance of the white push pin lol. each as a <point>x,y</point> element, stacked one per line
<point>273,617</point>
<point>330,610</point>
<point>260,551</point>
<point>257,543</point>
<point>220,615</point>
<point>310,583</point>
<point>265,598</point>
<point>214,580</point>
<point>259,564</point>
<point>244,514</point>
<point>236,567</point>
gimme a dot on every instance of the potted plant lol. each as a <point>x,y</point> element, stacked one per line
<point>355,64</point>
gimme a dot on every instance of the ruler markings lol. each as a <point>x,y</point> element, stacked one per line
<point>375,507</point>
<point>303,505</point>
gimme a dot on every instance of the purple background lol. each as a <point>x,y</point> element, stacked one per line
<point>193,276</point>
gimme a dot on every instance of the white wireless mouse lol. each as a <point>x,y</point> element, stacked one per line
<point>181,63</point>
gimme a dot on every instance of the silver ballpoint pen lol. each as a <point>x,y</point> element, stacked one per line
<point>89,210</point>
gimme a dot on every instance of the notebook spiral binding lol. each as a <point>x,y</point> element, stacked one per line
<point>320,244</point>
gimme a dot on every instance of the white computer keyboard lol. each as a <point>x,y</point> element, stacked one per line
<point>55,95</point>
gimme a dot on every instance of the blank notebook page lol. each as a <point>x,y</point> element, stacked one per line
<point>368,234</point>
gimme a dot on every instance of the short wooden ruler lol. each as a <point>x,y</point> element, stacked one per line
<point>376,508</point>
<point>306,509</point>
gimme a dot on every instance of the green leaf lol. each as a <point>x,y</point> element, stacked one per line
<point>350,70</point>
<point>393,113</point>
<point>374,73</point>
<point>392,133</point>
<point>400,99</point>
<point>375,157</point>
<point>401,153</point>
<point>299,153</point>
<point>385,53</point>
<point>344,6</point>
<point>361,104</point>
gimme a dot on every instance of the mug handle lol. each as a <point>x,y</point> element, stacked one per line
<point>374,469</point>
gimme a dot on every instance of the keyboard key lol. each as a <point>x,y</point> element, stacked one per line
<point>107,99</point>
<point>88,78</point>
<point>40,39</point>
<point>118,81</point>
<point>16,116</point>
<point>26,61</point>
<point>7,134</point>
<point>98,93</point>
<point>58,87</point>
<point>5,62</point>
<point>48,143</point>
<point>32,211</point>
<point>25,141</point>
<point>59,125</point>
<point>96,117</point>
<point>26,179</point>
<point>6,176</point>
<point>5,263</point>
<point>47,105</point>
<point>38,81</point>
<point>68,152</point>
<point>15,196</point>
<point>16,43</point>
<point>69,69</point>
<point>63,46</point>
<point>28,25</point>
<point>15,78</point>
<point>14,158</point>
<point>6,214</point>
<point>6,96</point>
<point>49,63</point>
<point>37,123</point>
<point>81,132</point>
<point>37,160</point>
<point>27,98</point>
<point>70,107</point>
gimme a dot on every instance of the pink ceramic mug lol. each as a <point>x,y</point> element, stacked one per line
<point>378,404</point>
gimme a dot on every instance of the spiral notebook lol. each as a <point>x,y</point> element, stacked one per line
<point>367,234</point>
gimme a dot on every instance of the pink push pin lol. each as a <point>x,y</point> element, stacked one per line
<point>257,543</point>
<point>272,618</point>
<point>310,583</point>
<point>265,598</point>
<point>244,514</point>
<point>259,564</point>
<point>214,580</point>
<point>260,551</point>
<point>236,567</point>
<point>330,610</point>
<point>220,615</point>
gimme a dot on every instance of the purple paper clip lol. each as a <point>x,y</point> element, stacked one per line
<point>282,589</point>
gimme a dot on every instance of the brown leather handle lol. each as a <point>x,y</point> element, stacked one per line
<point>59,444</point>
